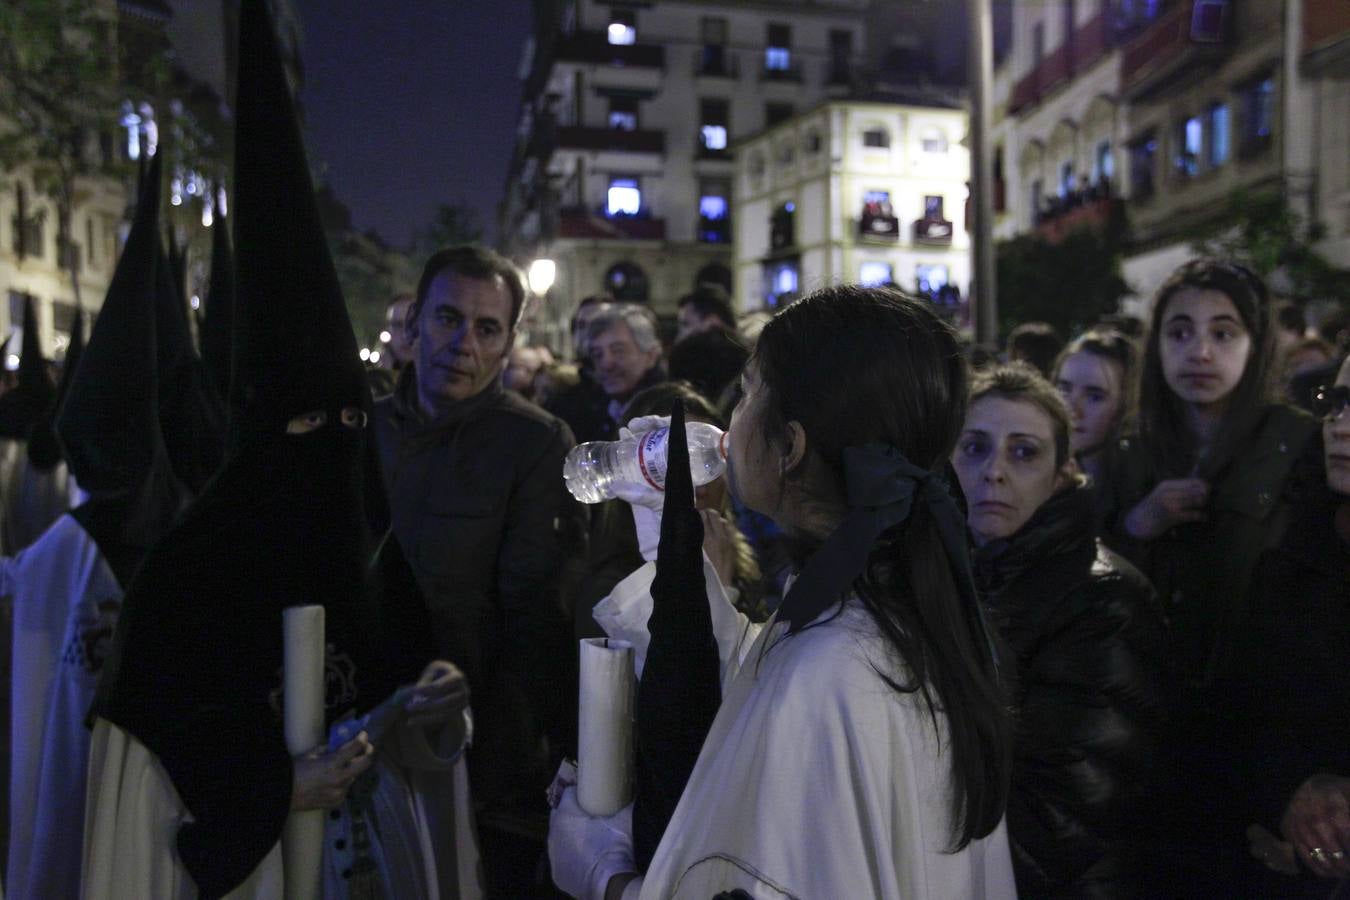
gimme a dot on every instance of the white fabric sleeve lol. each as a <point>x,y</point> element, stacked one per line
<point>432,748</point>
<point>624,614</point>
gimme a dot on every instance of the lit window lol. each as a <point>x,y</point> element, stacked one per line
<point>623,120</point>
<point>1104,164</point>
<point>624,197</point>
<point>1142,154</point>
<point>622,29</point>
<point>872,274</point>
<point>930,279</point>
<point>932,207</point>
<point>712,208</point>
<point>1066,179</point>
<point>714,137</point>
<point>714,122</point>
<point>877,197</point>
<point>785,280</point>
<point>876,137</point>
<point>1218,134</point>
<point>1190,143</point>
<point>933,141</point>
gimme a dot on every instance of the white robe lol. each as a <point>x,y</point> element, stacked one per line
<point>32,499</point>
<point>65,600</point>
<point>421,823</point>
<point>817,780</point>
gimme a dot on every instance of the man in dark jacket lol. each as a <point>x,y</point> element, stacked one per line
<point>474,474</point>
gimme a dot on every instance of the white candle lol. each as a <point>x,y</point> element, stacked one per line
<point>303,686</point>
<point>605,729</point>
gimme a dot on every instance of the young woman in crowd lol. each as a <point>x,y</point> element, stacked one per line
<point>1193,499</point>
<point>861,748</point>
<point>1084,640</point>
<point>1292,685</point>
<point>1094,373</point>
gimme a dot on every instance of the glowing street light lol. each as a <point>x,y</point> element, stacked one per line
<point>385,337</point>
<point>364,354</point>
<point>542,273</point>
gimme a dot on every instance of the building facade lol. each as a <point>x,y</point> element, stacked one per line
<point>1154,114</point>
<point>861,190</point>
<point>624,164</point>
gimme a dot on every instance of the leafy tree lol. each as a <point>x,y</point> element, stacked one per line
<point>1071,284</point>
<point>58,94</point>
<point>1262,232</point>
<point>452,224</point>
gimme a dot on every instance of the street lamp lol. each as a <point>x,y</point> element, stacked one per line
<point>542,273</point>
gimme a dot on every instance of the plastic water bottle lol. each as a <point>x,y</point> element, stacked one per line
<point>594,471</point>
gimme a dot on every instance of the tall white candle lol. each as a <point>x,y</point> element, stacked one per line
<point>303,684</point>
<point>605,729</point>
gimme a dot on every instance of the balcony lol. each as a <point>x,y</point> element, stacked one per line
<point>1094,208</point>
<point>1326,38</point>
<point>578,137</point>
<point>1087,45</point>
<point>593,47</point>
<point>1190,34</point>
<point>581,223</point>
<point>933,232</point>
<point>791,74</point>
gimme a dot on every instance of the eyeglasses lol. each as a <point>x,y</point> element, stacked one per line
<point>1330,401</point>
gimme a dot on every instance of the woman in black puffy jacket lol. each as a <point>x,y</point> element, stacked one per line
<point>1084,639</point>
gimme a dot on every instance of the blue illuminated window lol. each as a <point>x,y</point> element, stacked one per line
<point>623,121</point>
<point>872,274</point>
<point>714,137</point>
<point>622,30</point>
<point>777,59</point>
<point>1190,144</point>
<point>930,279</point>
<point>624,197</point>
<point>1218,134</point>
<point>713,208</point>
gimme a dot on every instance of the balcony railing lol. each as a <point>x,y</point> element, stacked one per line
<point>580,222</point>
<point>792,73</point>
<point>1087,45</point>
<point>933,232</point>
<point>1190,33</point>
<point>1091,208</point>
<point>578,137</point>
<point>594,47</point>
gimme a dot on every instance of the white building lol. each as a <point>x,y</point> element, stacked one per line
<point>865,191</point>
<point>623,170</point>
<point>1161,110</point>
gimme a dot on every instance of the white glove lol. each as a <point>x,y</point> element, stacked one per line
<point>646,501</point>
<point>585,852</point>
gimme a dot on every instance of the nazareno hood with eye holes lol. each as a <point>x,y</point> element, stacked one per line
<point>44,451</point>
<point>289,520</point>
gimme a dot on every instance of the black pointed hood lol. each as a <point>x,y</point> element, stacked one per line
<point>286,354</point>
<point>191,413</point>
<point>22,406</point>
<point>195,669</point>
<point>216,329</point>
<point>108,424</point>
<point>44,451</point>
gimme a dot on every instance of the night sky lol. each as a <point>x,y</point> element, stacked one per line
<point>412,108</point>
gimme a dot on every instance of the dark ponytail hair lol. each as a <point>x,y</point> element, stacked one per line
<point>855,365</point>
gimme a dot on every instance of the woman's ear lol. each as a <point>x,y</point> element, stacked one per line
<point>795,451</point>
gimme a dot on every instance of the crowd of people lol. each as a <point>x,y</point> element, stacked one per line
<point>1056,620</point>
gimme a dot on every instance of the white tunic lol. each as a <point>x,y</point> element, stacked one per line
<point>818,780</point>
<point>65,601</point>
<point>33,499</point>
<point>421,823</point>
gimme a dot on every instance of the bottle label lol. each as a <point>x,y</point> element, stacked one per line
<point>652,457</point>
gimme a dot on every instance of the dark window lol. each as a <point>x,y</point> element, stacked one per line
<point>63,316</point>
<point>841,56</point>
<point>89,242</point>
<point>714,124</point>
<point>623,113</point>
<point>627,282</point>
<point>1037,199</point>
<point>1258,115</point>
<point>1142,154</point>
<point>778,53</point>
<point>714,58</point>
<point>1103,164</point>
<point>775,113</point>
<point>876,137</point>
<point>28,237</point>
<point>782,227</point>
<point>932,207</point>
<point>1037,42</point>
<point>812,142</point>
<point>714,273</point>
<point>933,141</point>
<point>1066,179</point>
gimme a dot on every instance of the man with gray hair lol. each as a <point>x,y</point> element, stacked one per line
<point>625,355</point>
